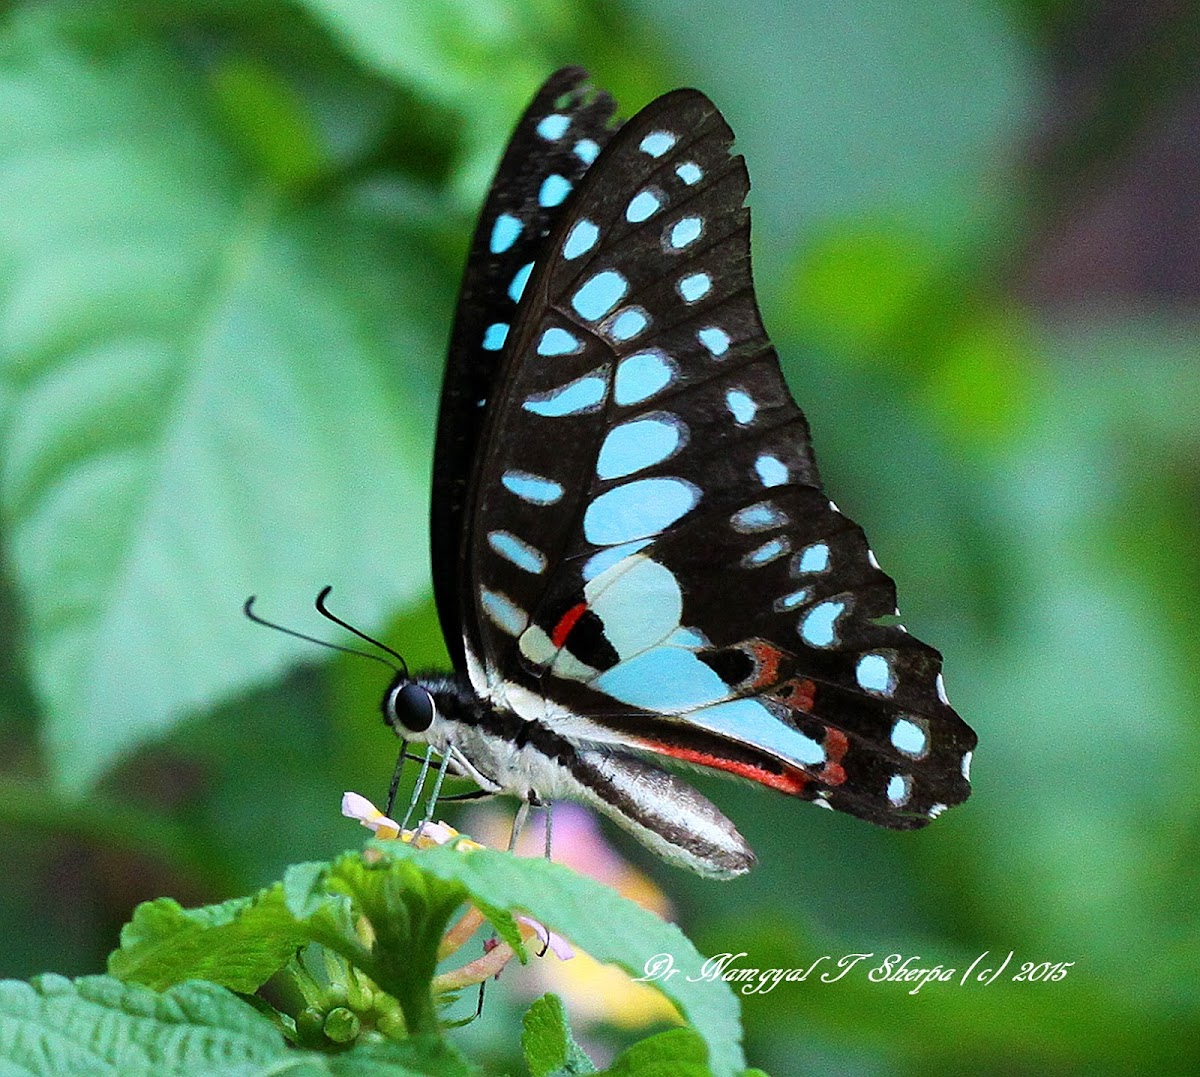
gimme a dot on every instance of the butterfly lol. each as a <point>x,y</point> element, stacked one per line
<point>634,560</point>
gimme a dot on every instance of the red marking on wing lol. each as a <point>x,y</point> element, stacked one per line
<point>790,781</point>
<point>566,622</point>
<point>836,745</point>
<point>767,658</point>
<point>796,693</point>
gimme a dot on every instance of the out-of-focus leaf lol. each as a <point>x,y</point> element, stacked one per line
<point>200,399</point>
<point>901,109</point>
<point>481,58</point>
<point>268,116</point>
<point>441,48</point>
<point>856,285</point>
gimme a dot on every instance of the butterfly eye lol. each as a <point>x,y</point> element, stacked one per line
<point>410,708</point>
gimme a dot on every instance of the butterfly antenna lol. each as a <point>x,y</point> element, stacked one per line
<point>323,610</point>
<point>248,610</point>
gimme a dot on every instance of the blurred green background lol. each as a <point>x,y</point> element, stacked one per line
<point>230,237</point>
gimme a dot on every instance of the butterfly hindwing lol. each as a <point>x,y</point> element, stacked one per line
<point>555,142</point>
<point>652,560</point>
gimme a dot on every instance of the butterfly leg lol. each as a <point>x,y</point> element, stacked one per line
<point>416,795</point>
<point>431,805</point>
<point>518,825</point>
<point>549,822</point>
<point>474,794</point>
<point>395,784</point>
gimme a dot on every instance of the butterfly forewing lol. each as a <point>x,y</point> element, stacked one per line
<point>557,139</point>
<point>652,559</point>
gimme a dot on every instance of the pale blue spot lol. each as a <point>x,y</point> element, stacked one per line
<point>687,637</point>
<point>574,398</point>
<point>520,279</point>
<point>771,470</point>
<point>813,558</point>
<point>532,488</point>
<point>696,286</point>
<point>741,406</point>
<point>600,294</point>
<point>553,127</point>
<point>689,172</point>
<point>714,339</point>
<point>505,232</point>
<point>494,336</point>
<point>504,614</point>
<point>639,602</point>
<point>581,239</point>
<point>628,324</point>
<point>554,191</point>
<point>767,552</point>
<point>791,600</point>
<point>874,673</point>
<point>521,554</point>
<point>642,206</point>
<point>748,721</point>
<point>587,150</point>
<point>817,626</point>
<point>605,559</point>
<point>910,738</point>
<point>641,376</point>
<point>637,510</point>
<point>558,341</point>
<point>686,231</point>
<point>636,445</point>
<point>657,143</point>
<point>898,789</point>
<point>664,679</point>
<point>760,517</point>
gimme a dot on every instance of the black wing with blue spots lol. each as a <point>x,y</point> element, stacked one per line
<point>651,559</point>
<point>555,142</point>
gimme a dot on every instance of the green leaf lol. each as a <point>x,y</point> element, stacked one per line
<point>408,896</point>
<point>193,370</point>
<point>97,1025</point>
<point>596,919</point>
<point>418,1056</point>
<point>678,1052</point>
<point>304,890</point>
<point>239,944</point>
<point>550,1050</point>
